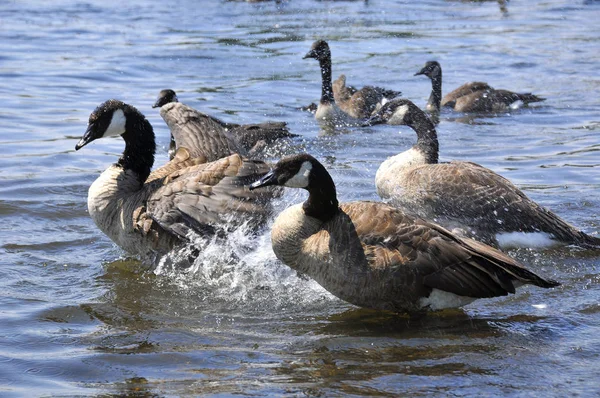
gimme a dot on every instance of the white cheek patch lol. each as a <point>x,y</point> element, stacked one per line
<point>398,115</point>
<point>117,124</point>
<point>300,180</point>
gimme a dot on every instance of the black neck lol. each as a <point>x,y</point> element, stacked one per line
<point>140,145</point>
<point>427,141</point>
<point>435,99</point>
<point>322,200</point>
<point>326,88</point>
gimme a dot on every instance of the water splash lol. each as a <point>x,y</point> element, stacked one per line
<point>241,269</point>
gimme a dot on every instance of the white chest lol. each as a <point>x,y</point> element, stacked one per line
<point>390,175</point>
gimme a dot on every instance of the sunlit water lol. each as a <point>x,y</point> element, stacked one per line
<point>79,317</point>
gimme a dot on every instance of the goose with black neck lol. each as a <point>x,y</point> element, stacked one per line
<point>149,213</point>
<point>373,255</point>
<point>464,195</point>
<point>473,96</point>
<point>340,105</point>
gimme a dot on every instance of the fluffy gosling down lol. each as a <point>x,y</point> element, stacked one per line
<point>373,255</point>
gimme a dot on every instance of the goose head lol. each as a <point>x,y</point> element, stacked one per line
<point>319,51</point>
<point>395,112</point>
<point>107,120</point>
<point>164,97</point>
<point>292,172</point>
<point>304,171</point>
<point>432,70</point>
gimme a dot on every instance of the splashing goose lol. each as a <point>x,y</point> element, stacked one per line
<point>373,255</point>
<point>341,104</point>
<point>211,137</point>
<point>149,213</point>
<point>464,193</point>
<point>470,97</point>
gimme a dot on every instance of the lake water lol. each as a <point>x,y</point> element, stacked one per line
<point>79,317</point>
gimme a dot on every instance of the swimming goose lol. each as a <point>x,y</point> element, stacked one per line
<point>373,255</point>
<point>210,136</point>
<point>149,213</point>
<point>340,104</point>
<point>464,193</point>
<point>470,97</point>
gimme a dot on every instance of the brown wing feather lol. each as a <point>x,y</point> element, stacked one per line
<point>480,198</point>
<point>211,193</point>
<point>359,103</point>
<point>417,250</point>
<point>201,134</point>
<point>466,89</point>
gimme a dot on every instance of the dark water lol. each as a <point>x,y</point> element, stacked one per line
<point>78,317</point>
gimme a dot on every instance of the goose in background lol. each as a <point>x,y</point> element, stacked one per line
<point>373,255</point>
<point>464,194</point>
<point>470,97</point>
<point>341,104</point>
<point>212,137</point>
<point>148,214</point>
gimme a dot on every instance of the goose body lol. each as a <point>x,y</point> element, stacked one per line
<point>146,213</point>
<point>341,104</point>
<point>373,255</point>
<point>214,137</point>
<point>471,97</point>
<point>464,194</point>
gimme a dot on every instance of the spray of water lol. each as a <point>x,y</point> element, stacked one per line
<point>241,270</point>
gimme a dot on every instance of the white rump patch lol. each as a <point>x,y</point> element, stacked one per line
<point>398,115</point>
<point>525,239</point>
<point>300,180</point>
<point>517,104</point>
<point>439,300</point>
<point>117,124</point>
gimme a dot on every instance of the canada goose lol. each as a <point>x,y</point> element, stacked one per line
<point>373,255</point>
<point>464,193</point>
<point>212,137</point>
<point>340,104</point>
<point>470,97</point>
<point>149,213</point>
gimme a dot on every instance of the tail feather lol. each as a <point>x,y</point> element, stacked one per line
<point>528,98</point>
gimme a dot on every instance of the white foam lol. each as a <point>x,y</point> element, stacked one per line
<point>440,299</point>
<point>240,270</point>
<point>525,239</point>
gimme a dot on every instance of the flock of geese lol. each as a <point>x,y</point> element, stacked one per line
<point>377,255</point>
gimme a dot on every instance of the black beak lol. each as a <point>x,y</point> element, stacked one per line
<point>421,72</point>
<point>310,54</point>
<point>160,102</point>
<point>88,137</point>
<point>266,180</point>
<point>373,120</point>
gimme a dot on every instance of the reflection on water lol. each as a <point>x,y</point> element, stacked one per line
<point>78,317</point>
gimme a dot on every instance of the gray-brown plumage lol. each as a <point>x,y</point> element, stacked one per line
<point>470,97</point>
<point>464,194</point>
<point>149,213</point>
<point>373,255</point>
<point>341,104</point>
<point>361,103</point>
<point>205,135</point>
